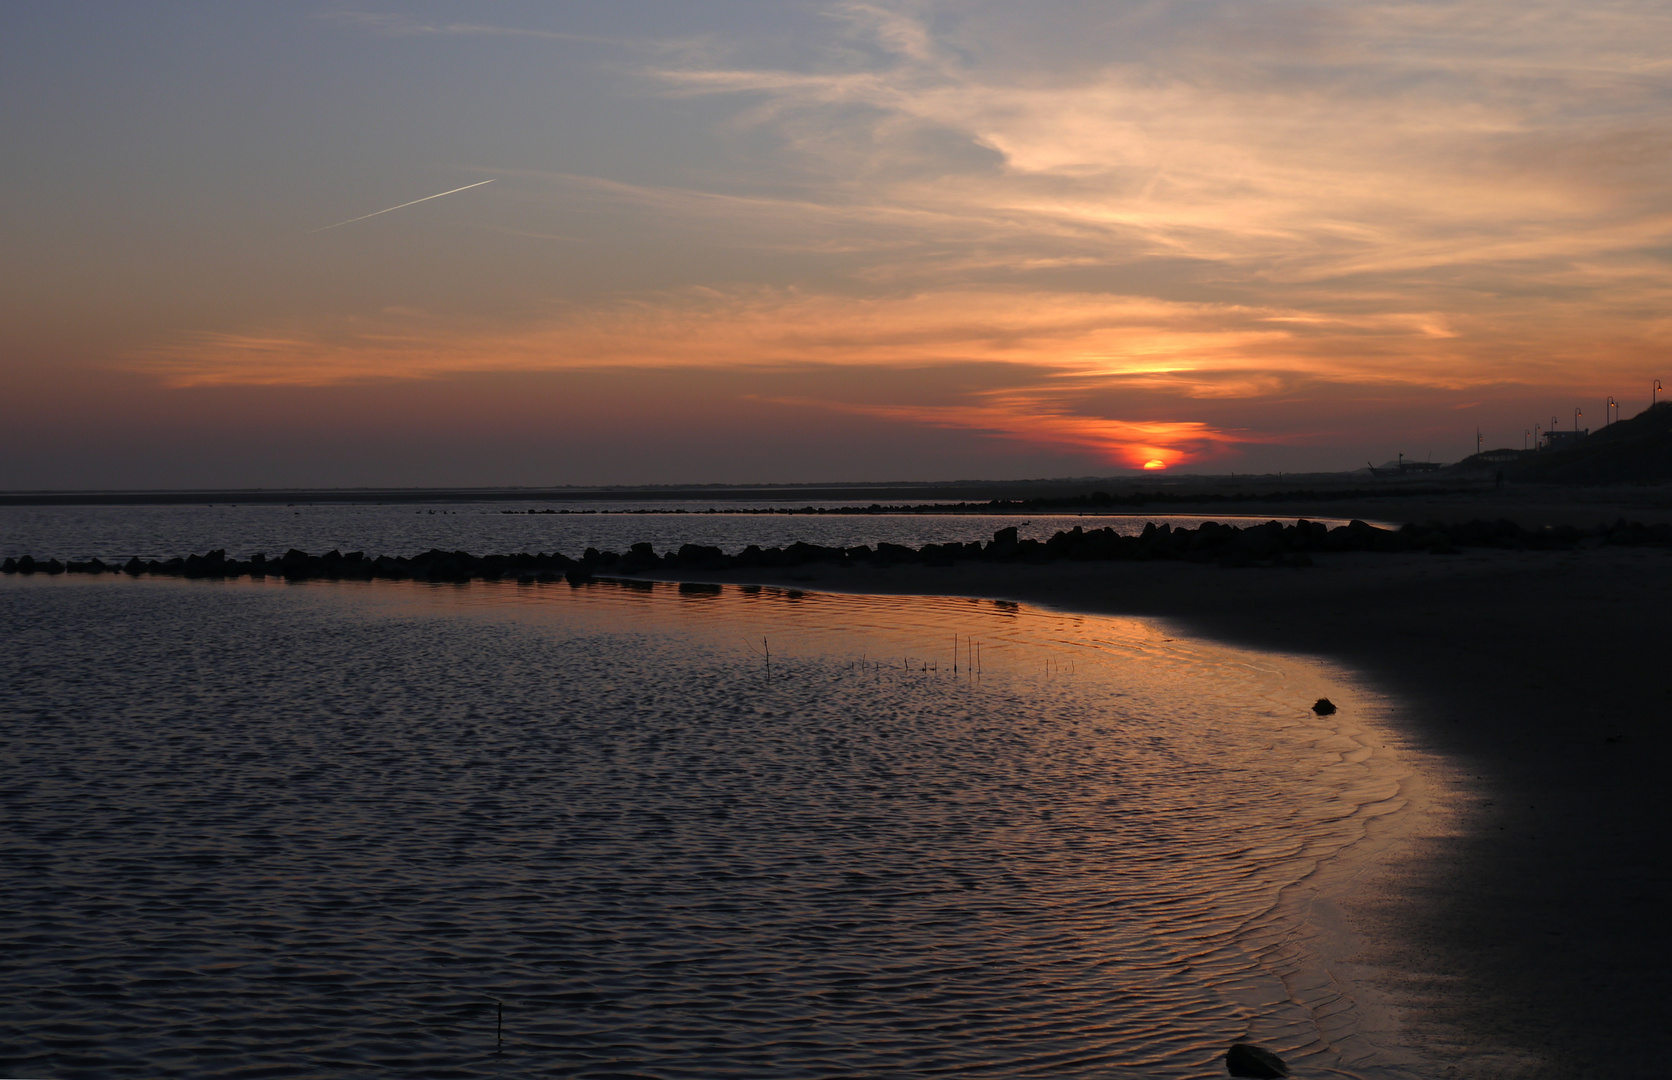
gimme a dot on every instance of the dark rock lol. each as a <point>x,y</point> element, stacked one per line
<point>1314,533</point>
<point>1259,541</point>
<point>1323,706</point>
<point>939,555</point>
<point>1212,536</point>
<point>9,566</point>
<point>801,552</point>
<point>1004,544</point>
<point>640,556</point>
<point>892,553</point>
<point>701,557</point>
<point>1245,1060</point>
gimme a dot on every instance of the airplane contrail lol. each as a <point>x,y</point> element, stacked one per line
<point>402,206</point>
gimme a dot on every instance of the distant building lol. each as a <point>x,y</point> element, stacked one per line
<point>1403,466</point>
<point>1556,440</point>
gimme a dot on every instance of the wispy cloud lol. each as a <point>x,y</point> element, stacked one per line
<point>1378,139</point>
<point>1115,204</point>
<point>400,206</point>
<point>1071,335</point>
<point>1128,382</point>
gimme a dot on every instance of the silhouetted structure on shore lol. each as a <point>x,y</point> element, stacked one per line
<point>1562,440</point>
<point>1635,451</point>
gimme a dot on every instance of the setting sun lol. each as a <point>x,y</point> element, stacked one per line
<point>1155,463</point>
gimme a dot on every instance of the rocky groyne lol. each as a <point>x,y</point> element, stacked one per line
<point>1270,544</point>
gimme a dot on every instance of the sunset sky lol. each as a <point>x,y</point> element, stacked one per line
<point>782,241</point>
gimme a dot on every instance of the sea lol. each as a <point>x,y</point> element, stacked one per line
<point>262,829</point>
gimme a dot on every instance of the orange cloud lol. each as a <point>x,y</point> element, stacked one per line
<point>1124,443</point>
<point>1190,349</point>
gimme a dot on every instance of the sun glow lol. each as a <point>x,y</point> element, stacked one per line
<point>981,230</point>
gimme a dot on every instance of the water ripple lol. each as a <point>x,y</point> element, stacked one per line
<point>264,830</point>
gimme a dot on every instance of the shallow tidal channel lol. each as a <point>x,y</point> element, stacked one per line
<point>254,828</point>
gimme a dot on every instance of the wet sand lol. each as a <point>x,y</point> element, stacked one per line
<point>1534,943</point>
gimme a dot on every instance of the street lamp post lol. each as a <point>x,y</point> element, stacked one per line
<point>1609,411</point>
<point>1654,398</point>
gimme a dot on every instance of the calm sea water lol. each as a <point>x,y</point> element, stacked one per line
<point>118,532</point>
<point>265,829</point>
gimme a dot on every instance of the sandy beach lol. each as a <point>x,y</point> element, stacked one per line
<point>1533,944</point>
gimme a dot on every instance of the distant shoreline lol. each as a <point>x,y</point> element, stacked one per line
<point>1530,505</point>
<point>1118,491</point>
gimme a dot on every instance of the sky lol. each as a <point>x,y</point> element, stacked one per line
<point>743,242</point>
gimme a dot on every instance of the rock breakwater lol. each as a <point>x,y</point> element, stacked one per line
<point>1268,544</point>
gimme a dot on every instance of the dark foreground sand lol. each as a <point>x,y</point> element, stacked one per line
<point>1537,943</point>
